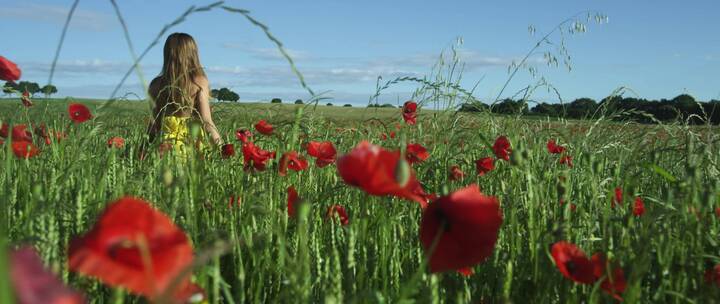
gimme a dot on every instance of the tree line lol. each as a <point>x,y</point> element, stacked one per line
<point>27,86</point>
<point>683,107</point>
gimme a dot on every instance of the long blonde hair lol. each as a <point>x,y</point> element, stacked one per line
<point>181,66</point>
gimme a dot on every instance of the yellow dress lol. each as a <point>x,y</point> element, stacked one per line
<point>178,132</point>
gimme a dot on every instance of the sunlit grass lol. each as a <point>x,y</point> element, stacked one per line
<point>52,197</point>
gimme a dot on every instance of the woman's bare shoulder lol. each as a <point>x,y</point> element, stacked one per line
<point>202,81</point>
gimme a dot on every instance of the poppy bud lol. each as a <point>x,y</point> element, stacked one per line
<point>517,159</point>
<point>167,177</point>
<point>402,172</point>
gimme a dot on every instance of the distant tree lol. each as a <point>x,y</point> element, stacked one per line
<point>509,106</point>
<point>49,90</point>
<point>233,96</point>
<point>329,104</point>
<point>347,105</point>
<point>9,87</point>
<point>581,108</point>
<point>298,101</point>
<point>473,107</point>
<point>387,105</point>
<point>547,109</point>
<point>214,93</point>
<point>276,100</point>
<point>30,87</point>
<point>225,94</point>
<point>686,104</point>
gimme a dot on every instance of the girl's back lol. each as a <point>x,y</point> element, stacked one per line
<point>180,93</point>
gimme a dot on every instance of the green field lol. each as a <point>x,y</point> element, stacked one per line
<point>268,257</point>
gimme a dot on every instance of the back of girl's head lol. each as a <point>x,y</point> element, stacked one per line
<point>181,66</point>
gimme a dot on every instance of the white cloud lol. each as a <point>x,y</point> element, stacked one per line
<point>267,53</point>
<point>82,18</point>
<point>78,68</point>
<point>282,76</point>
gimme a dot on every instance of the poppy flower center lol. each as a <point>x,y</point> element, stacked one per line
<point>570,267</point>
<point>444,221</point>
<point>126,252</point>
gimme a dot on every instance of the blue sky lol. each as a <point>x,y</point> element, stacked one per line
<point>659,49</point>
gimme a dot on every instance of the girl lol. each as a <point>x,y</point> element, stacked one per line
<point>181,94</point>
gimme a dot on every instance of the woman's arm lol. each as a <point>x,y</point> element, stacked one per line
<point>203,106</point>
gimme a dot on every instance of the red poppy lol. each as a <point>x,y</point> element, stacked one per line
<point>385,137</point>
<point>40,130</point>
<point>566,160</point>
<point>340,212</point>
<point>133,246</point>
<point>324,152</point>
<point>456,173</point>
<point>502,148</point>
<point>292,160</point>
<point>243,135</point>
<point>463,228</point>
<point>2,142</point>
<point>25,98</point>
<point>234,201</point>
<point>638,207</point>
<point>116,142</point>
<point>717,211</point>
<point>20,133</point>
<point>572,206</point>
<point>255,157</point>
<point>228,150</point>
<point>59,136</point>
<point>613,281</point>
<point>79,112</point>
<point>24,149</point>
<point>379,172</point>
<point>4,130</point>
<point>264,127</point>
<point>416,153</point>
<point>618,199</point>
<point>572,262</point>
<point>292,201</point>
<point>466,272</point>
<point>484,165</point>
<point>418,190</point>
<point>34,284</point>
<point>554,148</point>
<point>409,112</point>
<point>712,276</point>
<point>9,71</point>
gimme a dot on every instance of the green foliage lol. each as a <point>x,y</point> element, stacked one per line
<point>9,87</point>
<point>30,87</point>
<point>225,94</point>
<point>509,106</point>
<point>347,105</point>
<point>473,107</point>
<point>276,100</point>
<point>48,90</point>
<point>298,101</point>
<point>273,258</point>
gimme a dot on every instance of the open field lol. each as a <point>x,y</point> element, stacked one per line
<point>268,257</point>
